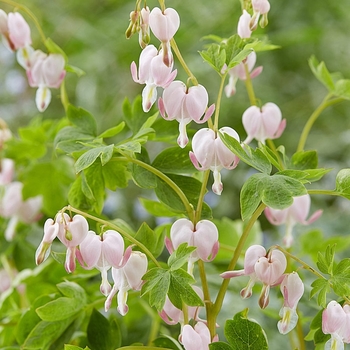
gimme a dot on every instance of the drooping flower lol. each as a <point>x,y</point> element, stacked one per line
<point>125,278</point>
<point>164,25</point>
<point>197,338</point>
<point>269,270</point>
<point>144,33</point>
<point>209,152</point>
<point>296,213</point>
<point>260,8</point>
<point>252,255</point>
<point>336,322</point>
<point>261,266</point>
<point>204,236</point>
<point>72,232</point>
<point>45,72</point>
<point>243,28</point>
<point>103,252</point>
<point>152,72</point>
<point>292,289</point>
<point>51,229</point>
<point>263,123</point>
<point>13,206</point>
<point>239,72</point>
<point>172,315</point>
<point>185,104</point>
<point>7,170</point>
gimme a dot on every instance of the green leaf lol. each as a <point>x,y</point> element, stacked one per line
<point>101,333</point>
<point>167,342</point>
<point>115,130</point>
<point>220,346</point>
<point>70,139</point>
<point>59,309</point>
<point>276,191</point>
<point>174,160</point>
<point>215,56</point>
<point>46,333</point>
<point>134,116</point>
<point>189,186</point>
<point>156,208</point>
<point>157,285</point>
<point>180,256</point>
<point>146,236</point>
<point>244,334</point>
<point>343,183</point>
<point>342,88</point>
<point>141,176</point>
<point>73,69</point>
<point>320,286</point>
<point>304,160</point>
<point>254,158</point>
<point>236,50</point>
<point>39,180</point>
<point>115,175</point>
<point>105,153</point>
<point>82,119</point>
<point>321,73</point>
<point>180,289</point>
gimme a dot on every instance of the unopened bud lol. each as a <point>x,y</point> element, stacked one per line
<point>264,21</point>
<point>133,25</point>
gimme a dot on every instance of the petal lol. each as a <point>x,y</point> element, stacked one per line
<point>204,238</point>
<point>19,30</point>
<point>42,98</point>
<point>182,232</point>
<point>289,320</point>
<point>135,268</point>
<point>90,249</point>
<point>113,247</point>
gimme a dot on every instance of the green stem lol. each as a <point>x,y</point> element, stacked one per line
<point>201,196</point>
<point>272,146</point>
<point>167,180</point>
<point>182,62</point>
<point>114,227</point>
<point>300,334</point>
<point>205,287</point>
<point>218,102</point>
<point>301,262</point>
<point>221,295</point>
<point>249,86</point>
<point>324,104</point>
<point>30,14</point>
<point>64,96</point>
<point>162,4</point>
<point>325,192</point>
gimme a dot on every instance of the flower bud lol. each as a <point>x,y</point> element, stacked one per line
<point>243,29</point>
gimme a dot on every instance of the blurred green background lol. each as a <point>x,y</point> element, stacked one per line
<point>91,32</point>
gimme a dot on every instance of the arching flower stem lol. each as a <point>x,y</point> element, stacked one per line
<point>114,227</point>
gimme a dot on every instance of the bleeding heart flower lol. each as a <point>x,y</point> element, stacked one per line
<point>45,72</point>
<point>125,278</point>
<point>152,72</point>
<point>209,152</point>
<point>204,236</point>
<point>296,213</point>
<point>292,288</point>
<point>263,123</point>
<point>185,104</point>
<point>239,72</point>
<point>164,25</point>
